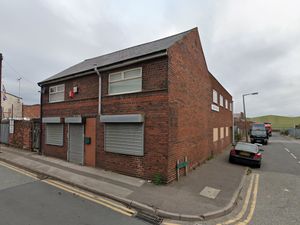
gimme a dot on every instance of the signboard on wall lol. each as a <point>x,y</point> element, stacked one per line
<point>11,126</point>
<point>215,108</point>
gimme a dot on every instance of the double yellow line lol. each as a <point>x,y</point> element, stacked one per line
<point>253,182</point>
<point>76,191</point>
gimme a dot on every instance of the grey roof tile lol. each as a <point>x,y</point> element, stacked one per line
<point>119,56</point>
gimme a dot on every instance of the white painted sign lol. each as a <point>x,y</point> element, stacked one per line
<point>215,108</point>
<point>11,126</point>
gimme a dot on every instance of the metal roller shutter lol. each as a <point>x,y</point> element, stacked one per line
<point>76,143</point>
<point>55,134</point>
<point>124,138</point>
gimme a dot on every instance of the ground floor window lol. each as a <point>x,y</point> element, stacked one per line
<point>55,134</point>
<point>124,138</point>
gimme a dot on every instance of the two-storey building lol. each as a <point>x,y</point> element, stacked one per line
<point>137,111</point>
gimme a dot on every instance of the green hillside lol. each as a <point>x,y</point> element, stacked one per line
<point>278,122</point>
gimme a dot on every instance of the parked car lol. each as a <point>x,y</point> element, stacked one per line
<point>246,153</point>
<point>259,134</point>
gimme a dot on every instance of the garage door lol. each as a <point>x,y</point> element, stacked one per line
<point>76,143</point>
<point>124,138</point>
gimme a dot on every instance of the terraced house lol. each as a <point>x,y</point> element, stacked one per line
<point>138,111</point>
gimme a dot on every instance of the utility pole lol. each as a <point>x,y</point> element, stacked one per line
<point>19,80</point>
<point>1,59</point>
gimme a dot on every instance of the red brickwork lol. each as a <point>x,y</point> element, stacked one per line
<point>31,111</point>
<point>21,138</point>
<point>84,103</point>
<point>223,118</point>
<point>189,108</point>
<point>153,104</point>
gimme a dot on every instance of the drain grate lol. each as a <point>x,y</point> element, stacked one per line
<point>150,218</point>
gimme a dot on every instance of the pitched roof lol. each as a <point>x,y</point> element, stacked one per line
<point>120,56</point>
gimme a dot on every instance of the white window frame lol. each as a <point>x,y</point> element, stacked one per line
<point>226,103</point>
<point>123,79</point>
<point>56,86</point>
<point>215,96</point>
<point>221,100</point>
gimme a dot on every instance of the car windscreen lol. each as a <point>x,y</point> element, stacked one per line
<point>258,132</point>
<point>258,127</point>
<point>246,147</point>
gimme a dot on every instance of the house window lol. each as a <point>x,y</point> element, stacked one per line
<point>57,93</point>
<point>226,103</point>
<point>215,96</point>
<point>124,138</point>
<point>227,131</point>
<point>215,135</point>
<point>221,101</point>
<point>221,132</point>
<point>54,134</point>
<point>127,81</point>
<point>230,106</point>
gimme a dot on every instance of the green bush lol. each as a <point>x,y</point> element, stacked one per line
<point>158,179</point>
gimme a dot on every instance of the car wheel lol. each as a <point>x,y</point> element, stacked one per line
<point>230,159</point>
<point>258,165</point>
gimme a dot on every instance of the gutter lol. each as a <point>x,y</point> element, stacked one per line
<point>108,67</point>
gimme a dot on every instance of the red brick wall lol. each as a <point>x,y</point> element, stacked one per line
<point>21,138</point>
<point>31,111</point>
<point>189,103</point>
<point>84,103</point>
<point>153,104</point>
<point>223,118</point>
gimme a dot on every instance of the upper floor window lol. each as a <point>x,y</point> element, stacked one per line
<point>221,100</point>
<point>226,103</point>
<point>57,93</point>
<point>127,81</point>
<point>230,106</point>
<point>215,96</point>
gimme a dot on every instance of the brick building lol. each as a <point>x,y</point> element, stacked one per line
<point>139,110</point>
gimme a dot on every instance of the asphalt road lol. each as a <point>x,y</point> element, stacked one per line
<point>276,200</point>
<point>26,201</point>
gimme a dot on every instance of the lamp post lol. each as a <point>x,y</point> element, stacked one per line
<point>245,117</point>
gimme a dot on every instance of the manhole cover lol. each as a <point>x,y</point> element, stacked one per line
<point>210,192</point>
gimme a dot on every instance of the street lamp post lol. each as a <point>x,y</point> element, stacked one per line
<point>245,117</point>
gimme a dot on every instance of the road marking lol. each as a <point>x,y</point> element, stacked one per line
<point>245,205</point>
<point>299,162</point>
<point>91,197</point>
<point>24,172</point>
<point>252,207</point>
<point>287,150</point>
<point>293,156</point>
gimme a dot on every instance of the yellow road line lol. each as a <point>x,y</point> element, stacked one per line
<point>67,189</point>
<point>88,194</point>
<point>32,175</point>
<point>245,205</point>
<point>252,207</point>
<point>167,223</point>
<point>70,189</point>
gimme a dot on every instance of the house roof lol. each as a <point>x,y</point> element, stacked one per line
<point>119,56</point>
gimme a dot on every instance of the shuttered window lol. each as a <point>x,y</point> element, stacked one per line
<point>54,134</point>
<point>124,138</point>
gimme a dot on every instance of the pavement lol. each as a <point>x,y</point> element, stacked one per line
<point>218,181</point>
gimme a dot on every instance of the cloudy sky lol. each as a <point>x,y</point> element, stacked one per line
<point>249,45</point>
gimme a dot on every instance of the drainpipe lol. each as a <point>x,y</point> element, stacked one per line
<point>41,122</point>
<point>98,73</point>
